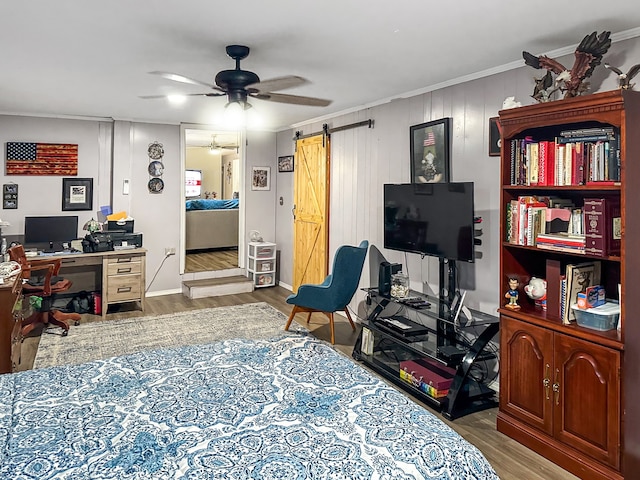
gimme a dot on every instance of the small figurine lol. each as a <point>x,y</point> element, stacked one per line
<point>624,79</point>
<point>512,294</point>
<point>537,291</point>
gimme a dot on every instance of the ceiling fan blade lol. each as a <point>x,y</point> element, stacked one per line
<point>182,79</point>
<point>183,95</point>
<point>293,99</point>
<point>279,83</point>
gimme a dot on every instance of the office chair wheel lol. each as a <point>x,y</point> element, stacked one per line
<point>65,333</point>
<point>76,323</point>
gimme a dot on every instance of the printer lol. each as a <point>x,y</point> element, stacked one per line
<point>122,235</point>
<point>123,239</point>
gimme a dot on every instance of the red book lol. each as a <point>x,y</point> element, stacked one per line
<point>602,226</point>
<point>429,371</point>
<point>546,152</point>
<point>542,162</point>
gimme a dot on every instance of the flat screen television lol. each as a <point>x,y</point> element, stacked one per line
<point>433,219</point>
<point>50,233</point>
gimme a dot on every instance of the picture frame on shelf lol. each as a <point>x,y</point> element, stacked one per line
<point>494,137</point>
<point>260,178</point>
<point>77,194</point>
<point>285,164</point>
<point>430,151</point>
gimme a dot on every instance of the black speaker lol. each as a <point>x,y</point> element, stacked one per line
<point>384,277</point>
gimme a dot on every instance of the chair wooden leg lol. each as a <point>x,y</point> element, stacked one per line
<point>309,317</point>
<point>333,335</point>
<point>293,314</point>
<point>353,327</point>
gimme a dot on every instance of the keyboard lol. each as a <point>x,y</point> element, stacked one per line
<point>63,252</point>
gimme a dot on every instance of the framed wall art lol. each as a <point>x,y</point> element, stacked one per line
<point>285,164</point>
<point>10,196</point>
<point>430,151</point>
<point>494,137</point>
<point>77,193</point>
<point>261,178</point>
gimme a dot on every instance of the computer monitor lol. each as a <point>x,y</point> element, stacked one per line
<point>49,233</point>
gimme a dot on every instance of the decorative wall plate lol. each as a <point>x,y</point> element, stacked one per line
<point>156,185</point>
<point>156,168</point>
<point>156,151</point>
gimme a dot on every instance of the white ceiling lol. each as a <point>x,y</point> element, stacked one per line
<point>92,58</point>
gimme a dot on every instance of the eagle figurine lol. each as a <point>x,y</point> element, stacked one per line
<point>544,88</point>
<point>624,79</point>
<point>588,56</point>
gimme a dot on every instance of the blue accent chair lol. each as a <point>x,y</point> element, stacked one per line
<point>337,290</point>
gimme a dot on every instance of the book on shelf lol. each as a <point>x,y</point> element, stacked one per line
<point>563,295</point>
<point>575,250</point>
<point>561,242</point>
<point>603,226</point>
<point>578,278</point>
<point>557,219</point>
<point>563,238</point>
<point>534,170</point>
<point>587,131</point>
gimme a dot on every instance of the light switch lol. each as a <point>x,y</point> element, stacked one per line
<point>125,186</point>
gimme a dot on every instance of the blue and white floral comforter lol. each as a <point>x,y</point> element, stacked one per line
<point>291,408</point>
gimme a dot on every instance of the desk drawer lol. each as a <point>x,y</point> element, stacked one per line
<point>124,287</point>
<point>124,268</point>
<point>80,261</point>
<point>124,258</point>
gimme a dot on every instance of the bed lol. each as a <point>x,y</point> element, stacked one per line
<point>289,408</point>
<point>211,223</point>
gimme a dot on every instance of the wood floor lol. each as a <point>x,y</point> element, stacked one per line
<point>511,460</point>
<point>207,260</point>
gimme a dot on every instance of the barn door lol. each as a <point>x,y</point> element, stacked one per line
<point>311,211</point>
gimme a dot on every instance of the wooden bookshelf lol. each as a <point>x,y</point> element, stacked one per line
<point>571,393</point>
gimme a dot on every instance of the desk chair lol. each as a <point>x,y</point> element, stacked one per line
<point>336,291</point>
<point>43,281</point>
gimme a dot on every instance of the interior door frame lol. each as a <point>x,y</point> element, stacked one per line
<point>183,214</point>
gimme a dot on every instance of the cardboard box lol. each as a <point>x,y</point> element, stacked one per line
<point>593,297</point>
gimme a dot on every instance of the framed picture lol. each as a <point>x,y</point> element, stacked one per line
<point>285,164</point>
<point>261,178</point>
<point>77,193</point>
<point>10,196</point>
<point>430,151</point>
<point>494,137</point>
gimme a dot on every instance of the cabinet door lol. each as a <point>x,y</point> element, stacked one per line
<point>587,405</point>
<point>526,366</point>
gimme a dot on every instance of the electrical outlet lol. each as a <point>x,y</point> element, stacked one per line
<point>169,251</point>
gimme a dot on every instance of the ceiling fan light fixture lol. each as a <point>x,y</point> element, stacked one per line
<point>177,99</point>
<point>234,114</point>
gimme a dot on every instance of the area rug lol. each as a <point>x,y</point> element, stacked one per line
<point>111,338</point>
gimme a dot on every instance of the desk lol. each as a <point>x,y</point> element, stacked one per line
<point>119,275</point>
<point>10,323</point>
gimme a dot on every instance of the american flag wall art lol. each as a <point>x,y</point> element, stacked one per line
<point>25,158</point>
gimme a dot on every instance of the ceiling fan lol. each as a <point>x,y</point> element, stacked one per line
<point>238,84</point>
<point>216,147</point>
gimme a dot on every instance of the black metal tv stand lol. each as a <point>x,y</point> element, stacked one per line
<point>428,333</point>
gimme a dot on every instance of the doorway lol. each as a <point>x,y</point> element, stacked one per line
<point>211,199</point>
